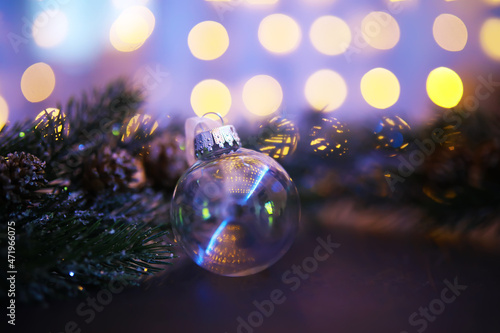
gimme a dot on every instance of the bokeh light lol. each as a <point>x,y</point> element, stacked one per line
<point>325,90</point>
<point>45,117</point>
<point>210,96</point>
<point>208,40</point>
<point>330,35</point>
<point>132,28</point>
<point>450,32</point>
<point>52,112</point>
<point>4,112</point>
<point>262,95</point>
<point>492,2</point>
<point>50,28</point>
<point>279,33</point>
<point>490,37</point>
<point>38,82</point>
<point>380,30</point>
<point>444,87</point>
<point>380,88</point>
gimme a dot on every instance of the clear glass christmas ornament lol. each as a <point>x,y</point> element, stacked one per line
<point>235,211</point>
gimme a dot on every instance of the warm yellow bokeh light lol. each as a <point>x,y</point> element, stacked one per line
<point>44,116</point>
<point>380,88</point>
<point>380,30</point>
<point>208,40</point>
<point>4,112</point>
<point>450,32</point>
<point>132,28</point>
<point>38,82</point>
<point>492,2</point>
<point>444,87</point>
<point>330,35</point>
<point>210,96</point>
<point>490,38</point>
<point>262,95</point>
<point>279,33</point>
<point>52,112</point>
<point>50,28</point>
<point>325,90</point>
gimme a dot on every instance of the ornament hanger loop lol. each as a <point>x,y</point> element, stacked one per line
<point>217,114</point>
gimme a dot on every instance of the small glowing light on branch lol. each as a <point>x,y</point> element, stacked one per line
<point>444,87</point>
<point>132,28</point>
<point>450,32</point>
<point>380,88</point>
<point>262,95</point>
<point>50,28</point>
<point>279,33</point>
<point>489,36</point>
<point>380,30</point>
<point>325,90</point>
<point>38,82</point>
<point>4,112</point>
<point>208,40</point>
<point>330,35</point>
<point>210,96</point>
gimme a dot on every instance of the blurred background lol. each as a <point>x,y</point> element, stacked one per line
<point>384,112</point>
<point>247,59</point>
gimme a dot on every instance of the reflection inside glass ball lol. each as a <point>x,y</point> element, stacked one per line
<point>235,214</point>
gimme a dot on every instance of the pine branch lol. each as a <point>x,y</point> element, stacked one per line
<point>66,239</point>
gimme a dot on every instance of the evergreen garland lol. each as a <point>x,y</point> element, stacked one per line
<point>71,234</point>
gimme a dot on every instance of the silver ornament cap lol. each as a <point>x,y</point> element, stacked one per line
<point>217,140</point>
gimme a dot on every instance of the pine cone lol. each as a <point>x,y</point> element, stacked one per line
<point>108,169</point>
<point>20,175</point>
<point>164,161</point>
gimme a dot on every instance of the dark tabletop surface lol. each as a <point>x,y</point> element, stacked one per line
<point>370,283</point>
